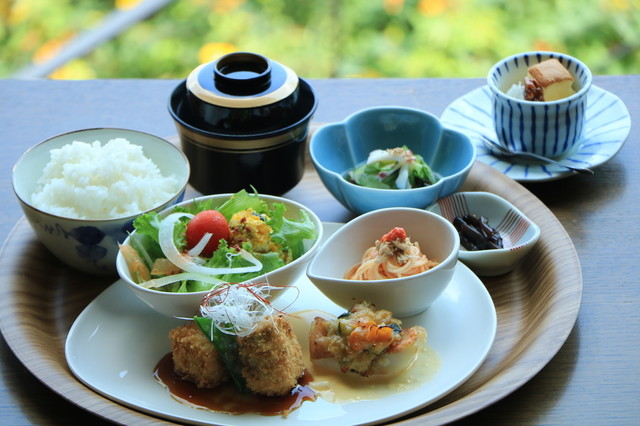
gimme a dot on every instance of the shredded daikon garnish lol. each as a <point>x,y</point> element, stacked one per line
<point>385,155</point>
<point>238,308</point>
<point>141,251</point>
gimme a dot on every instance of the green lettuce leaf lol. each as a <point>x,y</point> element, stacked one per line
<point>242,200</point>
<point>291,233</point>
<point>378,174</point>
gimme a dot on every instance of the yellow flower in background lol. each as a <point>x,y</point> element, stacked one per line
<point>74,70</point>
<point>226,6</point>
<point>393,7</point>
<point>17,12</point>
<point>544,46</point>
<point>127,4</point>
<point>368,73</point>
<point>432,7</point>
<point>212,51</point>
<point>621,5</point>
<point>50,49</point>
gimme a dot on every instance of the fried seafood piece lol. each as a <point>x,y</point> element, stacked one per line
<point>366,341</point>
<point>195,358</point>
<point>271,357</point>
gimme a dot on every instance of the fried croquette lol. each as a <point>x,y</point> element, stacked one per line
<point>195,358</point>
<point>271,357</point>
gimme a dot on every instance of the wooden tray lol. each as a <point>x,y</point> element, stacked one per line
<point>537,305</point>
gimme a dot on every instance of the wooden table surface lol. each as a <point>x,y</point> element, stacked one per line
<point>594,378</point>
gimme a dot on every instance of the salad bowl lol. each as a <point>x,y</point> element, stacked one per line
<point>338,148</point>
<point>184,298</point>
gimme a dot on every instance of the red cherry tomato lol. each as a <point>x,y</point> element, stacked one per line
<point>207,221</point>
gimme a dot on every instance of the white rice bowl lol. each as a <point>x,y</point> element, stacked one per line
<point>81,198</point>
<point>101,181</point>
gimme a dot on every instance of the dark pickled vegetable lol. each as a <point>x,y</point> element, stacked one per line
<point>476,233</point>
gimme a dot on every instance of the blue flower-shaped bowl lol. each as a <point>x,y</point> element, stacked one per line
<point>336,148</point>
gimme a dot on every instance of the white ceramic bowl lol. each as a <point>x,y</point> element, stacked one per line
<point>186,305</point>
<point>519,234</point>
<point>404,297</point>
<point>90,246</point>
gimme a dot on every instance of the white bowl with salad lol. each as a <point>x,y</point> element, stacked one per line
<point>175,257</point>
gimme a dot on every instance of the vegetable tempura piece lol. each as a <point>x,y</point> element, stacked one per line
<point>366,341</point>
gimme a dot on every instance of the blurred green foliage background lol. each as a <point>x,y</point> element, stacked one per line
<point>325,38</point>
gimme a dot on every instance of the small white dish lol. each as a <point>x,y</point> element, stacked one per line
<point>404,296</point>
<point>519,233</point>
<point>607,125</point>
<point>126,338</point>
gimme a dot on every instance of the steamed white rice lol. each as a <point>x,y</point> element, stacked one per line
<point>94,181</point>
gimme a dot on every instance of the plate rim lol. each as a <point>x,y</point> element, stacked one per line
<point>486,157</point>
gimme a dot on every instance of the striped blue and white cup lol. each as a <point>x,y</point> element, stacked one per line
<point>545,128</point>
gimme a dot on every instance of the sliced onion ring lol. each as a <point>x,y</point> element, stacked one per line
<point>402,181</point>
<point>187,263</point>
<point>185,276</point>
<point>198,248</point>
<point>383,155</point>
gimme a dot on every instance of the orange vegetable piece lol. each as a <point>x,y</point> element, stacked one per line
<point>369,335</point>
<point>163,266</point>
<point>138,270</point>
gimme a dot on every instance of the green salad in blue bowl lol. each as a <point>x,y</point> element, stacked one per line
<point>393,168</point>
<point>390,156</point>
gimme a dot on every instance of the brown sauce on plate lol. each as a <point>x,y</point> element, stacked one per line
<point>227,399</point>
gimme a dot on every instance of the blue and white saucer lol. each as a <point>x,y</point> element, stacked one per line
<point>607,125</point>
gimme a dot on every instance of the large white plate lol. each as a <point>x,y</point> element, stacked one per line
<point>607,125</point>
<point>117,340</point>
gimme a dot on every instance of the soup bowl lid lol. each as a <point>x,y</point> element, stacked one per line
<point>242,80</point>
